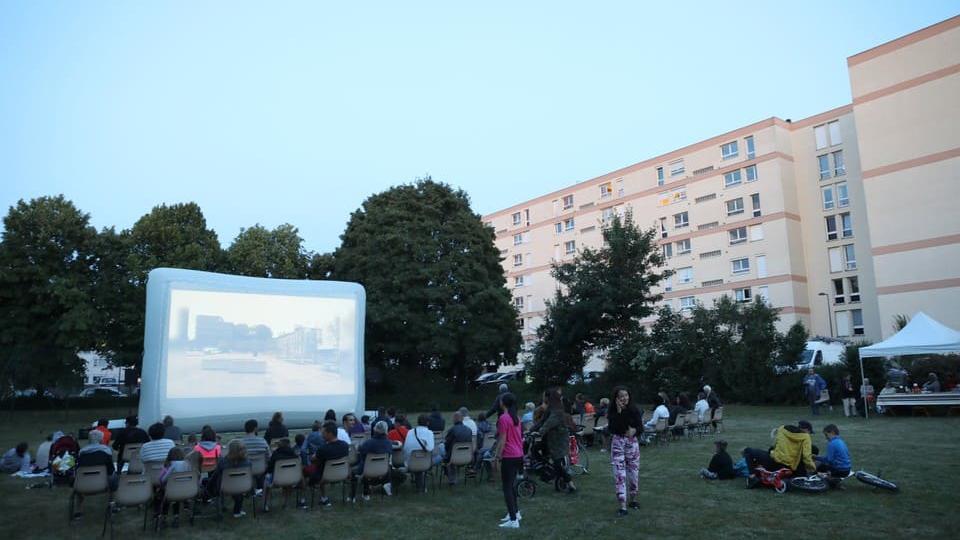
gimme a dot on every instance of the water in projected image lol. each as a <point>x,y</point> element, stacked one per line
<point>230,344</point>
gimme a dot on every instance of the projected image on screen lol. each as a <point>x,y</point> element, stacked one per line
<point>229,344</point>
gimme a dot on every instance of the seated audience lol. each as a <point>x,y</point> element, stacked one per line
<point>314,438</point>
<point>283,451</point>
<point>420,438</point>
<point>170,431</point>
<point>721,465</point>
<point>349,428</point>
<point>933,383</point>
<point>93,455</point>
<point>174,463</point>
<point>102,428</point>
<point>437,422</point>
<point>365,423</point>
<point>209,449</point>
<point>275,429</point>
<point>157,449</point>
<point>236,458</point>
<point>253,444</point>
<point>837,461</point>
<point>17,459</point>
<point>376,444</point>
<point>458,433</point>
<point>300,448</point>
<point>333,449</point>
<point>467,421</point>
<point>661,412</point>
<point>702,408</point>
<point>131,434</point>
<point>399,432</point>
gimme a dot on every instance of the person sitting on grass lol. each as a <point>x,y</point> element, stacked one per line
<point>16,459</point>
<point>376,444</point>
<point>333,449</point>
<point>95,454</point>
<point>236,458</point>
<point>837,461</point>
<point>283,451</point>
<point>157,449</point>
<point>721,466</point>
<point>174,463</point>
<point>792,449</point>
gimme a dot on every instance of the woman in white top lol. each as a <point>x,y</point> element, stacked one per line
<point>702,408</point>
<point>660,412</point>
<point>420,438</point>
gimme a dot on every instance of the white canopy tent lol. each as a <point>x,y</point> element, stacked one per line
<point>922,335</point>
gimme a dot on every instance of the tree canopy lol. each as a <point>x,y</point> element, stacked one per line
<point>260,252</point>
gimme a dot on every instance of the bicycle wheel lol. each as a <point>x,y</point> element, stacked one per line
<point>876,481</point>
<point>560,484</point>
<point>808,484</point>
<point>525,488</point>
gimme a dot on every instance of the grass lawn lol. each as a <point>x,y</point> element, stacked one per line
<point>921,454</point>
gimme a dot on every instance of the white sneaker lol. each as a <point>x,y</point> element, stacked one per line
<point>240,514</point>
<point>515,524</point>
<point>366,497</point>
<point>388,489</point>
<point>507,517</point>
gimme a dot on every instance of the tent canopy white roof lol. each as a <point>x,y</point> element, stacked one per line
<point>922,335</point>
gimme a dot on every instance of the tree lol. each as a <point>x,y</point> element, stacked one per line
<point>117,299</point>
<point>46,312</point>
<point>900,321</point>
<point>260,252</point>
<point>435,288</point>
<point>321,266</point>
<point>602,296</point>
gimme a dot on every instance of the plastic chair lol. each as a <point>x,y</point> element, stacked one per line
<point>237,482</point>
<point>376,467</point>
<point>352,456</point>
<point>336,471</point>
<point>678,424</point>
<point>152,470</point>
<point>421,462</point>
<point>461,454</point>
<point>182,487</point>
<point>131,456</point>
<point>287,473</point>
<point>132,490</point>
<point>718,420</point>
<point>89,481</point>
<point>258,465</point>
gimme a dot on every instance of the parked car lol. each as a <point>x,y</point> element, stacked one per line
<point>101,392</point>
<point>484,378</point>
<point>502,378</point>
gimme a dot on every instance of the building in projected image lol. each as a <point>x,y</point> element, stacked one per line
<point>841,220</point>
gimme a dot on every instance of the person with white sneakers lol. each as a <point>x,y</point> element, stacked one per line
<point>509,456</point>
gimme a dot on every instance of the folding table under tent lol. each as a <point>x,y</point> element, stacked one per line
<point>922,335</point>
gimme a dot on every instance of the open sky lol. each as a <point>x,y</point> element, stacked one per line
<point>273,112</point>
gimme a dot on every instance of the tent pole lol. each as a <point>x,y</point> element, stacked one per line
<point>866,402</point>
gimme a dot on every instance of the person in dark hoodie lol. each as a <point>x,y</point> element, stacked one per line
<point>437,422</point>
<point>131,434</point>
<point>721,465</point>
<point>276,429</point>
<point>283,451</point>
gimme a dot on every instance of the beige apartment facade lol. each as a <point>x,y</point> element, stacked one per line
<point>776,209</point>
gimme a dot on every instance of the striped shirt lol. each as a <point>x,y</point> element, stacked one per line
<point>156,450</point>
<point>256,445</point>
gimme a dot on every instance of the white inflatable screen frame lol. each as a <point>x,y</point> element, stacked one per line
<point>229,413</point>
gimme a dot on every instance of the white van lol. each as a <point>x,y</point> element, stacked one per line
<point>821,353</point>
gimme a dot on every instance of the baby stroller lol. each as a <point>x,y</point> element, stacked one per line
<point>536,464</point>
<point>63,460</point>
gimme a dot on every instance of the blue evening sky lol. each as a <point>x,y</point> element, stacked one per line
<point>273,112</point>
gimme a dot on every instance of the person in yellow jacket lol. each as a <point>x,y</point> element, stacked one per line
<point>792,449</point>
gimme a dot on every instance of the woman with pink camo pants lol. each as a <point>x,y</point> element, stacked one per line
<point>625,421</point>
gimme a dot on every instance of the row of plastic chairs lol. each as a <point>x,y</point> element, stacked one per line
<point>686,425</point>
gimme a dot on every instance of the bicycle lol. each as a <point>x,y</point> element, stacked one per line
<point>867,478</point>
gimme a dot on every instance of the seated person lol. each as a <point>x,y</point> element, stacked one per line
<point>702,408</point>
<point>458,433</point>
<point>661,412</point>
<point>209,449</point>
<point>437,423</point>
<point>171,431</point>
<point>16,459</point>
<point>721,466</point>
<point>334,448</point>
<point>837,461</point>
<point>283,451</point>
<point>175,463</point>
<point>131,434</point>
<point>792,449</point>
<point>43,455</point>
<point>399,431</point>
<point>378,443</point>
<point>420,438</point>
<point>102,428</point>
<point>157,449</point>
<point>236,458</point>
<point>348,428</point>
<point>93,455</point>
<point>300,448</point>
<point>527,419</point>
<point>933,384</point>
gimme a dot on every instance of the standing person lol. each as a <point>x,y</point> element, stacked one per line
<point>510,457</point>
<point>553,428</point>
<point>501,391</point>
<point>624,422</point>
<point>813,384</point>
<point>276,429</point>
<point>848,396</point>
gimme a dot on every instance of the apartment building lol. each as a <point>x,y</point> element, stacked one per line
<point>809,215</point>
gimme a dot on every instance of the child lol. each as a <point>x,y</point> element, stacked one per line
<point>721,466</point>
<point>174,463</point>
<point>837,461</point>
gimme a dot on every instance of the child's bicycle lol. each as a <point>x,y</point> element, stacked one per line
<point>867,478</point>
<point>782,479</point>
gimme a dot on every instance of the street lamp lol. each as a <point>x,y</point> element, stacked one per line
<point>826,298</point>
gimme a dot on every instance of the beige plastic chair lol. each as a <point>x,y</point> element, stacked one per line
<point>258,465</point>
<point>718,420</point>
<point>600,428</point>
<point>152,470</point>
<point>237,482</point>
<point>396,457</point>
<point>131,456</point>
<point>182,487</point>
<point>376,467</point>
<point>89,481</point>
<point>132,490</point>
<point>678,424</point>
<point>421,462</point>
<point>352,456</point>
<point>690,424</point>
<point>358,438</point>
<point>461,454</point>
<point>287,473</point>
<point>336,471</point>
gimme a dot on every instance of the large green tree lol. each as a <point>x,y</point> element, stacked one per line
<point>261,252</point>
<point>602,296</point>
<point>435,288</point>
<point>46,312</point>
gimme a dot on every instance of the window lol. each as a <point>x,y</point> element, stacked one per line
<point>846,225</point>
<point>712,283</point>
<point>687,303</point>
<point>668,250</point>
<point>707,226</point>
<point>709,254</point>
<point>558,227</point>
<point>764,293</point>
<point>567,202</point>
<point>820,136</point>
<point>857,316</point>
<point>735,206</point>
<point>676,168</point>
<point>606,190</point>
<point>743,295</point>
<point>827,196</point>
<point>838,296</point>
<point>834,129</point>
<point>681,220</point>
<point>853,285</point>
<point>663,227</point>
<point>518,302</point>
<point>850,257</point>
<point>526,216</point>
<point>738,235</point>
<point>761,266</point>
<point>683,247</point>
<point>518,259</point>
<point>520,323</point>
<point>568,224</point>
<point>843,199</point>
<point>516,218</point>
<point>835,257</point>
<point>756,232</point>
<point>740,266</point>
<point>755,202</point>
<point>659,176</point>
<point>685,274</point>
<point>751,152</point>
<point>732,178</point>
<point>831,227</point>
<point>729,150</point>
<point>607,215</point>
<point>668,284</point>
<point>570,247</point>
<point>705,198</point>
<point>843,323</point>
<point>518,281</point>
<point>751,173</point>
<point>824,162</point>
<point>838,168</point>
<point>620,187</point>
<point>517,239</point>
